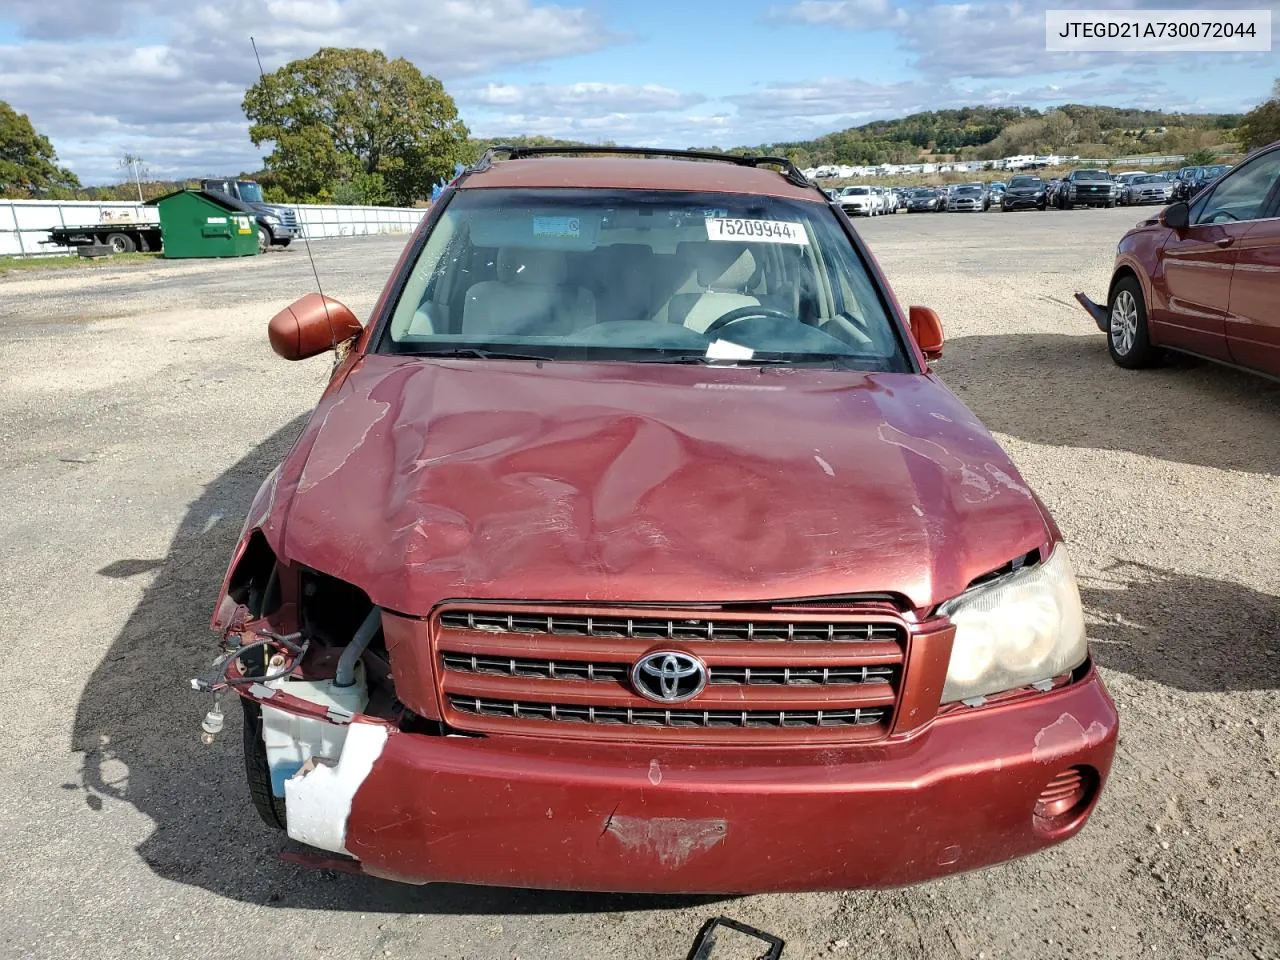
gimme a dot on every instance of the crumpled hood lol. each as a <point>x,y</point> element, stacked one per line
<point>421,481</point>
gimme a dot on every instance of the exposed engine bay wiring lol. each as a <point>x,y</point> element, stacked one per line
<point>220,681</point>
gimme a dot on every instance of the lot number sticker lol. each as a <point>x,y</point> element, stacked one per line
<point>756,231</point>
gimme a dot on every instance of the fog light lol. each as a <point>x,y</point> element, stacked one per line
<point>1066,796</point>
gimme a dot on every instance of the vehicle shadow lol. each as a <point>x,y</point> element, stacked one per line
<point>1192,633</point>
<point>137,726</point>
<point>1063,390</point>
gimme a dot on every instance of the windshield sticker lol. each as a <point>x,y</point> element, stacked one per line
<point>728,350</point>
<point>756,231</point>
<point>557,227</point>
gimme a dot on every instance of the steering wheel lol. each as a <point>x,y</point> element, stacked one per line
<point>748,313</point>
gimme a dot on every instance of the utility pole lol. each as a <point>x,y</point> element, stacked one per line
<point>131,163</point>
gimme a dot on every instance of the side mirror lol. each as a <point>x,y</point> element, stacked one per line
<point>1176,215</point>
<point>311,326</point>
<point>926,328</point>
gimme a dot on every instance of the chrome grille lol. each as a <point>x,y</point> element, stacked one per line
<point>515,667</point>
<point>662,628</point>
<point>674,717</point>
<point>617,672</point>
<point>527,667</point>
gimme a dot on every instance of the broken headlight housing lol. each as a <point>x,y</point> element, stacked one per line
<point>1017,630</point>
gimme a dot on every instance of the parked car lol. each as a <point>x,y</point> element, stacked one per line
<point>995,193</point>
<point>1182,180</point>
<point>944,194</point>
<point>1122,180</point>
<point>1146,189</point>
<point>967,197</point>
<point>1024,193</point>
<point>1202,278</point>
<point>922,199</point>
<point>861,201</point>
<point>1186,188</point>
<point>1086,188</point>
<point>1052,191</point>
<point>553,610</point>
<point>889,198</point>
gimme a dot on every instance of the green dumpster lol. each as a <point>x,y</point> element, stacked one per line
<point>194,223</point>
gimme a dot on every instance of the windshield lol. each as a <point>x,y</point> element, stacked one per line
<point>1090,175</point>
<point>968,191</point>
<point>1215,171</point>
<point>856,191</point>
<point>249,192</point>
<point>646,276</point>
<point>1026,182</point>
<point>1146,179</point>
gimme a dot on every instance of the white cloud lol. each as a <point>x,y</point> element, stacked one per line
<point>833,97</point>
<point>577,99</point>
<point>849,14</point>
<point>176,100</point>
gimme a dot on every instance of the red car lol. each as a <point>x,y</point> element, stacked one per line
<point>1203,279</point>
<point>634,546</point>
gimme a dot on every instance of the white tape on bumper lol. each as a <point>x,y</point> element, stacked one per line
<point>318,802</point>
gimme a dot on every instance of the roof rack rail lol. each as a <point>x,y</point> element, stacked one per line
<point>789,170</point>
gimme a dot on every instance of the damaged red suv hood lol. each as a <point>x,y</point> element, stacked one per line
<point>425,480</point>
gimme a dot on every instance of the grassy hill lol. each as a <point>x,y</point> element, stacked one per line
<point>989,132</point>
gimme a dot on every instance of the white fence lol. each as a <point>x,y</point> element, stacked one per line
<point>25,223</point>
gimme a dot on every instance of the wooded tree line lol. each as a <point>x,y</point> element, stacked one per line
<point>352,126</point>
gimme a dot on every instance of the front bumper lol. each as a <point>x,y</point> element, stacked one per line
<point>1021,201</point>
<point>552,814</point>
<point>1090,199</point>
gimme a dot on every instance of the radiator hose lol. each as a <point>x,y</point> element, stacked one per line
<point>345,675</point>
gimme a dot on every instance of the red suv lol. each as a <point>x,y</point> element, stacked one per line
<point>1203,279</point>
<point>634,546</point>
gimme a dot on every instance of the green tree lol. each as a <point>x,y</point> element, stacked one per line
<point>1200,158</point>
<point>343,116</point>
<point>28,162</point>
<point>1261,125</point>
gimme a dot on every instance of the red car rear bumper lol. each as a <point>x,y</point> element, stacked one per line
<point>693,819</point>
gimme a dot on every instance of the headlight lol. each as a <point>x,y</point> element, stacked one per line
<point>1020,629</point>
<point>271,219</point>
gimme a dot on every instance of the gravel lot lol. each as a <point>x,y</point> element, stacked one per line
<point>141,406</point>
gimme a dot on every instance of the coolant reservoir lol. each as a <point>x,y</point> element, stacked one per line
<point>292,740</point>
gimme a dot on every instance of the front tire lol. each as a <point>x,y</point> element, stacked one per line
<point>1128,340</point>
<point>265,239</point>
<point>270,807</point>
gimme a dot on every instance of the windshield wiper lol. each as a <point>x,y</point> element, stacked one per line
<point>476,353</point>
<point>835,360</point>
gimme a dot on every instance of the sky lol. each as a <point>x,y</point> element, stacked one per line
<point>165,80</point>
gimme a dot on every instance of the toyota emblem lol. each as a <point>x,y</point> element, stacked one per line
<point>669,676</point>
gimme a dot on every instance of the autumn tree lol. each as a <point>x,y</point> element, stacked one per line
<point>352,122</point>
<point>28,163</point>
<point>1261,125</point>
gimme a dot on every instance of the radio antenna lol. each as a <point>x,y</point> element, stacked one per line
<point>333,337</point>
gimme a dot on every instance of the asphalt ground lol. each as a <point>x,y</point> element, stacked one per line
<point>141,406</point>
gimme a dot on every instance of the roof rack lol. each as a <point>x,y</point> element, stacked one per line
<point>789,170</point>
